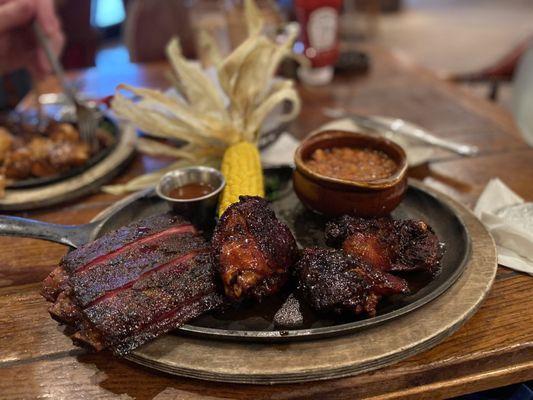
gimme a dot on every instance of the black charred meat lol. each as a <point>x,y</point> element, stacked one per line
<point>134,284</point>
<point>332,281</point>
<point>387,244</point>
<point>253,248</point>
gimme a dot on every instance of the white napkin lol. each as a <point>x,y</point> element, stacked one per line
<point>281,152</point>
<point>510,221</point>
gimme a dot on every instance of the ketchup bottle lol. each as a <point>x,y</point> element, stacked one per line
<point>319,21</point>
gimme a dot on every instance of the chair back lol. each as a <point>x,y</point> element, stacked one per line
<point>522,98</point>
<point>150,24</point>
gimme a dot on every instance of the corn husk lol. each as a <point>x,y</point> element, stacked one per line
<point>209,117</point>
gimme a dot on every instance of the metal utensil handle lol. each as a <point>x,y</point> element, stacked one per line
<point>70,235</point>
<point>419,134</point>
<point>460,148</point>
<point>54,61</point>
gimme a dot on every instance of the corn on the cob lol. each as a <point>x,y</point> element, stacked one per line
<point>241,166</point>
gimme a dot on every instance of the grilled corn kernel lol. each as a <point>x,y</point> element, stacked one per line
<point>241,166</point>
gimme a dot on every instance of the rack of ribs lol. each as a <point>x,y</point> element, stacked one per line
<point>254,249</point>
<point>332,281</point>
<point>388,244</point>
<point>134,284</point>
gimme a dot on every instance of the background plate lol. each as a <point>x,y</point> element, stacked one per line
<point>87,181</point>
<point>106,124</point>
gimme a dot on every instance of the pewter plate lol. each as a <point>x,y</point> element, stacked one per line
<point>106,124</point>
<point>253,322</point>
<point>340,356</point>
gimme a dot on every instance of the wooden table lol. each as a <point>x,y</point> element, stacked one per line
<point>494,348</point>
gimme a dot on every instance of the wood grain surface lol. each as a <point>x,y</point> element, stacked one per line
<point>494,348</point>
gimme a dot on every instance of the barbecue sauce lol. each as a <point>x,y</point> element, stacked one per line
<point>191,191</point>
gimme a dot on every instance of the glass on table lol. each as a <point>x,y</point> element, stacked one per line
<point>224,21</point>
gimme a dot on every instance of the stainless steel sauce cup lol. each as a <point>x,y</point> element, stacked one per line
<point>200,210</point>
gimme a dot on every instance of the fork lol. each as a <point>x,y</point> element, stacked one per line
<point>88,117</point>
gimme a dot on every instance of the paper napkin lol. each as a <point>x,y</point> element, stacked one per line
<point>281,152</point>
<point>510,221</point>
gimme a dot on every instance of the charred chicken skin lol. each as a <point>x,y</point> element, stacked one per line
<point>253,248</point>
<point>332,281</point>
<point>387,244</point>
<point>134,284</point>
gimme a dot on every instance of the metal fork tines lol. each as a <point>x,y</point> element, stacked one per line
<point>88,120</point>
<point>87,116</point>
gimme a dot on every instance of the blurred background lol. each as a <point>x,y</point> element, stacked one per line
<point>472,42</point>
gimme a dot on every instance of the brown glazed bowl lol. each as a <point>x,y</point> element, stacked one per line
<point>333,196</point>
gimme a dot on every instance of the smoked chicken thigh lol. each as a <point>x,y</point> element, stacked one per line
<point>253,248</point>
<point>387,244</point>
<point>332,281</point>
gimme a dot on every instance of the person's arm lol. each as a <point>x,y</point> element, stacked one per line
<point>18,46</point>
